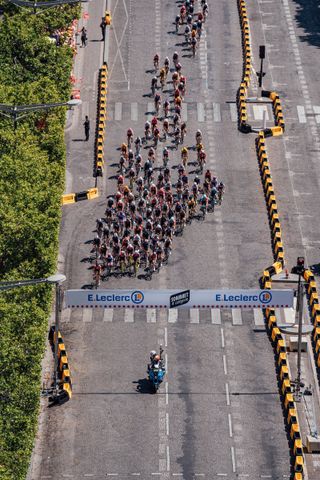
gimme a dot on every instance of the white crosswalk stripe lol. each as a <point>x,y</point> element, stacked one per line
<point>236,316</point>
<point>87,315</point>
<point>301,114</point>
<point>108,315</point>
<point>129,315</point>
<point>151,315</point>
<point>258,112</point>
<point>172,315</point>
<point>215,316</point>
<point>194,315</point>
<point>316,110</point>
<point>184,112</point>
<point>216,112</point>
<point>134,111</point>
<point>200,112</point>
<point>258,317</point>
<point>118,111</point>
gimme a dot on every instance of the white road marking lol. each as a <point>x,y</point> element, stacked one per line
<point>222,474</point>
<point>194,315</point>
<point>200,112</point>
<point>236,316</point>
<point>167,393</point>
<point>108,315</point>
<point>227,394</point>
<point>233,112</point>
<point>118,111</point>
<point>222,338</point>
<point>230,425</point>
<point>134,111</point>
<point>215,316</point>
<point>316,110</point>
<point>172,315</point>
<point>129,315</point>
<point>151,315</point>
<point>258,112</point>
<point>165,337</point>
<point>167,423</point>
<point>87,315</point>
<point>233,458</point>
<point>258,317</point>
<point>216,112</point>
<point>184,112</point>
<point>301,114</point>
<point>225,369</point>
<point>168,459</point>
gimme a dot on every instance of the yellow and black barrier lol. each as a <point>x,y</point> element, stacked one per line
<point>314,310</point>
<point>274,333</point>
<point>101,121</point>
<point>65,391</point>
<point>78,197</point>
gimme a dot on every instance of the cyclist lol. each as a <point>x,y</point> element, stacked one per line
<point>156,62</point>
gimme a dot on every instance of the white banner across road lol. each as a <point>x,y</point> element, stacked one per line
<point>179,298</point>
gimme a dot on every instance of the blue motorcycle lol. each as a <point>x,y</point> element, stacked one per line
<point>156,373</point>
<point>156,376</point>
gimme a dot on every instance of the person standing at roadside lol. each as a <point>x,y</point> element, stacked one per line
<point>103,29</point>
<point>84,37</point>
<point>87,127</point>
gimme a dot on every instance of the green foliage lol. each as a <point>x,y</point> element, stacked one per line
<point>32,164</point>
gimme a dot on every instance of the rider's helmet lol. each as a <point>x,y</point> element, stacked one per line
<point>120,179</point>
<point>156,57</point>
<point>166,61</point>
<point>110,202</point>
<point>130,132</point>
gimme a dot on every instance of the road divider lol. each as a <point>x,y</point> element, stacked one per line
<point>274,333</point>
<point>314,311</point>
<point>78,197</point>
<point>101,121</point>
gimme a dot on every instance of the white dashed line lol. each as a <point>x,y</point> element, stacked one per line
<point>222,338</point>
<point>230,425</point>
<point>233,459</point>
<point>224,358</point>
<point>167,423</point>
<point>227,394</point>
<point>165,337</point>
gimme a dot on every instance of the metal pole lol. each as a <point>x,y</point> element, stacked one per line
<point>300,310</point>
<point>261,73</point>
<point>56,342</point>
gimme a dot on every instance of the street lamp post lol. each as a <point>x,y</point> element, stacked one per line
<point>19,111</point>
<point>57,280</point>
<point>297,328</point>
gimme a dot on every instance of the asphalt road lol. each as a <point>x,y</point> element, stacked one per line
<point>218,412</point>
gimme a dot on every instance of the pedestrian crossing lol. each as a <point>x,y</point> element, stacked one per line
<point>200,112</point>
<point>193,316</point>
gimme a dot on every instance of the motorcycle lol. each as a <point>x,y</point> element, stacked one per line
<point>157,373</point>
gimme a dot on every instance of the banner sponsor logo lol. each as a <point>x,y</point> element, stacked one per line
<point>179,299</point>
